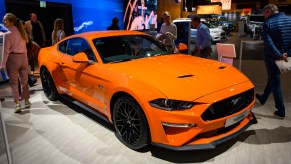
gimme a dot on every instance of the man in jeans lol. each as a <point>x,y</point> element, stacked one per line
<point>277,46</point>
<point>203,41</point>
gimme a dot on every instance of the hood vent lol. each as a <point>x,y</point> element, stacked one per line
<point>185,76</point>
<point>222,67</point>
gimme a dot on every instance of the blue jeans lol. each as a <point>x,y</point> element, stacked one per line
<point>274,85</point>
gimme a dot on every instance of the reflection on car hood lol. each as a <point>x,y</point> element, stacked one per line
<point>182,77</point>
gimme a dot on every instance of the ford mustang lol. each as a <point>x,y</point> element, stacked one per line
<point>149,93</point>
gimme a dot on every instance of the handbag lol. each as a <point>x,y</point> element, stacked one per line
<point>3,76</point>
<point>284,66</point>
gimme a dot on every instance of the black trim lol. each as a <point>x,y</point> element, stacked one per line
<point>211,145</point>
<point>83,106</point>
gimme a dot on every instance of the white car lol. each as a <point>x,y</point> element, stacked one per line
<point>216,33</point>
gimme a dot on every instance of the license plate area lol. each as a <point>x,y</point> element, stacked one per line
<point>235,119</point>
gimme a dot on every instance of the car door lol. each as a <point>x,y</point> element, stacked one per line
<point>81,77</point>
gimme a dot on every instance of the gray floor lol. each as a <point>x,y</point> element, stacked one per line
<point>58,132</point>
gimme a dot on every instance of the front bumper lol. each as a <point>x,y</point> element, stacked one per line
<point>214,143</point>
<point>189,127</point>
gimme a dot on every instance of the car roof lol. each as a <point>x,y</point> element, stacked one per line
<point>98,34</point>
<point>182,20</point>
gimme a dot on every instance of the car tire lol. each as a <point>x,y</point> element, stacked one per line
<point>130,123</point>
<point>48,85</point>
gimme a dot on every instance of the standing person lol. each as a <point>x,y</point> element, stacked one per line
<point>168,31</point>
<point>114,25</point>
<point>58,32</point>
<point>277,46</point>
<point>15,59</point>
<point>32,51</point>
<point>203,39</point>
<point>35,30</point>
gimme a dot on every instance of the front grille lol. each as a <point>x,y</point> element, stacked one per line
<point>229,106</point>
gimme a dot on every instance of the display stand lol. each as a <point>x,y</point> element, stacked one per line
<point>242,42</point>
<point>241,28</point>
<point>226,52</point>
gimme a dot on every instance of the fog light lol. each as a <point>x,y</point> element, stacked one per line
<point>178,125</point>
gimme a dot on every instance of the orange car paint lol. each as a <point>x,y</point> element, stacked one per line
<point>148,79</point>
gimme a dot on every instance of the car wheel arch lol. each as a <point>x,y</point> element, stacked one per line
<point>117,95</point>
<point>123,96</point>
<point>48,84</point>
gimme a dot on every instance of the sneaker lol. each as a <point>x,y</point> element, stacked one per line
<point>259,97</point>
<point>27,104</point>
<point>280,115</point>
<point>17,108</point>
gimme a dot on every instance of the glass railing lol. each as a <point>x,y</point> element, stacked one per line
<point>5,157</point>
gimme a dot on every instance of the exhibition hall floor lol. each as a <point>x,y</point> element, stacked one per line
<point>59,132</point>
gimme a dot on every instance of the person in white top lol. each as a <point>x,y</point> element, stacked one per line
<point>58,32</point>
<point>168,31</point>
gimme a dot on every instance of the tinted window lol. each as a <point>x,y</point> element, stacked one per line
<point>63,46</point>
<point>77,45</point>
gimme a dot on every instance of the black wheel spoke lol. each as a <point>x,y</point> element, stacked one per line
<point>48,84</point>
<point>128,122</point>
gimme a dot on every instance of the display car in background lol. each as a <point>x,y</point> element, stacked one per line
<point>254,25</point>
<point>227,25</point>
<point>149,93</point>
<point>216,20</point>
<point>216,32</point>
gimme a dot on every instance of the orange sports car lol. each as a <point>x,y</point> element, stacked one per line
<point>149,93</point>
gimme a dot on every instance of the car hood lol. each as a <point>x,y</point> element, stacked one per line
<point>215,29</point>
<point>181,77</point>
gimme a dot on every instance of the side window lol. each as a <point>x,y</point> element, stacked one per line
<point>77,45</point>
<point>85,47</point>
<point>63,46</point>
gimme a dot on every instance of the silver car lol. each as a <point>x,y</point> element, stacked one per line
<point>216,33</point>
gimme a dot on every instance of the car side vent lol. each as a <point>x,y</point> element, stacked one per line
<point>185,76</point>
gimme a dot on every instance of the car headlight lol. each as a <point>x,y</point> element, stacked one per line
<point>169,104</point>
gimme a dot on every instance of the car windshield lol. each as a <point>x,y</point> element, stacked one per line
<point>125,48</point>
<point>209,25</point>
<point>222,19</point>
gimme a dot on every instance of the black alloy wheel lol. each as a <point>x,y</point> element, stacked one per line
<point>130,123</point>
<point>48,85</point>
